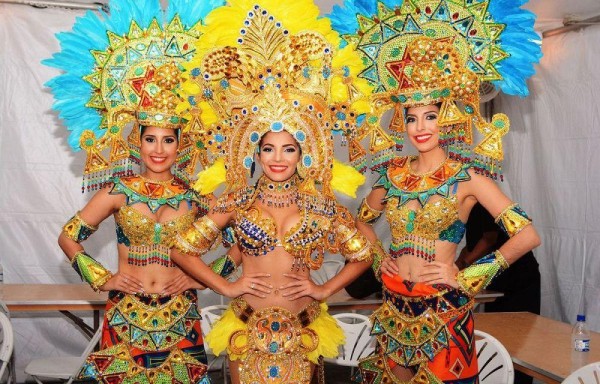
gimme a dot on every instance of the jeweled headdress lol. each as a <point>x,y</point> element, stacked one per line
<point>421,52</point>
<point>264,66</point>
<point>125,68</point>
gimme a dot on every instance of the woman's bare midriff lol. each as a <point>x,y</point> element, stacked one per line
<point>411,267</point>
<point>154,277</point>
<point>276,262</point>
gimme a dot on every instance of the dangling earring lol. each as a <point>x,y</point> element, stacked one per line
<point>252,169</point>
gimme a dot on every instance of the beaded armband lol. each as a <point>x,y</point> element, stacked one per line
<point>223,266</point>
<point>90,270</point>
<point>512,220</point>
<point>77,229</point>
<point>378,256</point>
<point>354,246</point>
<point>480,274</point>
<point>198,240</point>
<point>366,214</point>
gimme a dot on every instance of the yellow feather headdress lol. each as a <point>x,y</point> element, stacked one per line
<point>272,66</point>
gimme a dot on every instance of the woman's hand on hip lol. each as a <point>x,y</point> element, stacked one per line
<point>123,282</point>
<point>251,283</point>
<point>302,286</point>
<point>179,284</point>
<point>389,266</point>
<point>439,273</point>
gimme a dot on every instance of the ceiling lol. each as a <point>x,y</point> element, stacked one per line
<point>551,13</point>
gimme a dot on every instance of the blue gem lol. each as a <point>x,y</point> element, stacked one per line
<point>307,160</point>
<point>224,84</point>
<point>277,126</point>
<point>274,371</point>
<point>219,138</point>
<point>300,136</point>
<point>254,137</point>
<point>275,326</point>
<point>273,347</point>
<point>247,162</point>
<point>196,72</point>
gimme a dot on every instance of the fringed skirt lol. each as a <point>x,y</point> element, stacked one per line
<point>149,339</point>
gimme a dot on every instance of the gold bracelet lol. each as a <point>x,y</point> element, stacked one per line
<point>366,214</point>
<point>77,229</point>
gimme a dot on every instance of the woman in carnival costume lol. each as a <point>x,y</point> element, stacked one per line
<point>123,70</point>
<point>270,88</point>
<point>426,59</point>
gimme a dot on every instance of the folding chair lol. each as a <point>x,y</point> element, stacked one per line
<point>7,343</point>
<point>63,368</point>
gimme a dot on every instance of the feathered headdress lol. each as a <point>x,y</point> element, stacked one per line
<point>422,52</point>
<point>265,66</point>
<point>121,68</point>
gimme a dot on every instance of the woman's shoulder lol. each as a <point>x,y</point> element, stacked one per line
<point>239,199</point>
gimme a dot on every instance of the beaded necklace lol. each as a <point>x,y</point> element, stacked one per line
<point>278,194</point>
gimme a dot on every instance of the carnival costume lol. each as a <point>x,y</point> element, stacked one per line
<point>271,66</point>
<point>120,70</point>
<point>422,52</point>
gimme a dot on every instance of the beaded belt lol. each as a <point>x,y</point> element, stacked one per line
<point>275,343</point>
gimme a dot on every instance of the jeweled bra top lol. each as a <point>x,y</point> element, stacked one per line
<point>149,241</point>
<point>414,232</point>
<point>306,241</point>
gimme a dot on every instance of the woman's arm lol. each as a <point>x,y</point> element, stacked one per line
<point>78,229</point>
<point>522,235</point>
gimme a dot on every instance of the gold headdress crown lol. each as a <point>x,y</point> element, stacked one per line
<point>281,72</point>
<point>420,52</point>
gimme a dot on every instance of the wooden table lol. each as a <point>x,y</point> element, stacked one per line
<point>539,346</point>
<point>65,298</point>
<point>343,302</point>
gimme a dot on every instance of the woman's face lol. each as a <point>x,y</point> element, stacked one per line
<point>159,151</point>
<point>422,128</point>
<point>278,155</point>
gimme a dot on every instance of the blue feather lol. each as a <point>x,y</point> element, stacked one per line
<point>344,18</point>
<point>520,41</point>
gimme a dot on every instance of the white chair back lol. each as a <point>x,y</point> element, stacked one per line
<point>359,342</point>
<point>6,343</point>
<point>210,315</point>
<point>495,364</point>
<point>588,374</point>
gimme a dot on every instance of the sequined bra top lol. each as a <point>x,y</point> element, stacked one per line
<point>149,241</point>
<point>414,232</point>
<point>306,241</point>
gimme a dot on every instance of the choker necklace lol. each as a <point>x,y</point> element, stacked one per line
<point>278,193</point>
<point>159,182</point>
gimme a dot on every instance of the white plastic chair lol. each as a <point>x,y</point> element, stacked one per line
<point>495,364</point>
<point>63,368</point>
<point>359,342</point>
<point>7,341</point>
<point>12,374</point>
<point>209,315</point>
<point>588,374</point>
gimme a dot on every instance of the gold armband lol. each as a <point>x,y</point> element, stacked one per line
<point>90,270</point>
<point>366,214</point>
<point>378,256</point>
<point>512,220</point>
<point>354,246</point>
<point>198,240</point>
<point>480,274</point>
<point>77,229</point>
<point>223,266</point>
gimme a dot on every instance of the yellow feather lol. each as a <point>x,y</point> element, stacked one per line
<point>210,178</point>
<point>346,179</point>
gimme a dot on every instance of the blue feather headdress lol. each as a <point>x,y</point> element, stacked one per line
<point>120,68</point>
